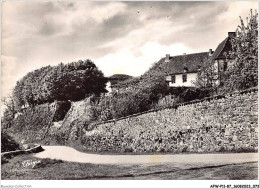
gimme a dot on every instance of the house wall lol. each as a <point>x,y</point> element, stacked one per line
<point>108,87</point>
<point>220,68</point>
<point>217,64</point>
<point>221,64</point>
<point>191,77</point>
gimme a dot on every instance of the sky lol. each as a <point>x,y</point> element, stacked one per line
<point>120,37</point>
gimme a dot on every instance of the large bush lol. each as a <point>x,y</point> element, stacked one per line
<point>194,94</point>
<point>8,143</point>
<point>186,94</point>
<point>73,81</point>
<point>134,99</point>
<point>168,101</point>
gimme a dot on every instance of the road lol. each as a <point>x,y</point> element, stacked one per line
<point>178,160</point>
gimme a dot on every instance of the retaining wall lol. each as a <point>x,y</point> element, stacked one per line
<point>69,129</point>
<point>221,123</point>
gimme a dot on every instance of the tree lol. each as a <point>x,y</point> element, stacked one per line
<point>10,106</point>
<point>244,72</point>
<point>207,77</point>
<point>73,81</point>
<point>9,111</point>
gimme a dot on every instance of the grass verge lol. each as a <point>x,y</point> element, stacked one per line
<point>28,167</point>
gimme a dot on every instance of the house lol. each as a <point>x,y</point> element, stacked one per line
<point>182,70</point>
<point>115,79</point>
<point>220,58</point>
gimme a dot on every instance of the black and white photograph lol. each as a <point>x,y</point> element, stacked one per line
<point>126,92</point>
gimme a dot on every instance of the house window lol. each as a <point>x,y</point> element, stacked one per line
<point>173,79</point>
<point>168,78</point>
<point>184,78</point>
<point>225,66</point>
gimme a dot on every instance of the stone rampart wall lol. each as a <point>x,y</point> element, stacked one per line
<point>218,124</point>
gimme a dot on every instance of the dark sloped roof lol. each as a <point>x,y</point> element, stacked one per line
<point>178,63</point>
<point>224,46</point>
<point>120,77</point>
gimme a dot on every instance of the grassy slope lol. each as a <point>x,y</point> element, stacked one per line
<point>32,126</point>
<point>54,169</point>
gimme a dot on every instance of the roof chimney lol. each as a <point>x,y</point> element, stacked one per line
<point>210,52</point>
<point>231,34</point>
<point>167,58</point>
